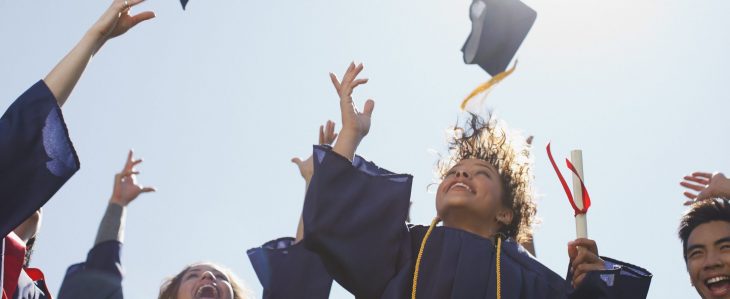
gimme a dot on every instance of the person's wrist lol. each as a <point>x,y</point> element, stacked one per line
<point>350,136</point>
<point>117,201</point>
<point>95,38</point>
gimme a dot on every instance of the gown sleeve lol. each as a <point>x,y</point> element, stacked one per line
<point>623,281</point>
<point>288,270</point>
<point>99,277</point>
<point>354,219</point>
<point>36,155</point>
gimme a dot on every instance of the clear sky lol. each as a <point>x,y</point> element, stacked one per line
<point>218,98</point>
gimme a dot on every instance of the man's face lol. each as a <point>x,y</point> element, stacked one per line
<point>708,259</point>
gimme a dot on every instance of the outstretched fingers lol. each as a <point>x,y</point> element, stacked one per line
<point>697,179</point>
<point>335,82</point>
<point>140,17</point>
<point>693,186</point>
<point>702,174</point>
<point>329,135</point>
<point>358,82</point>
<point>348,80</point>
<point>369,107</point>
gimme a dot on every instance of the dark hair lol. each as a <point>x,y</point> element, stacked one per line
<point>28,252</point>
<point>702,212</point>
<point>491,141</point>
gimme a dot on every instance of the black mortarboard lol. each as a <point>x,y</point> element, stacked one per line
<point>498,29</point>
<point>184,3</point>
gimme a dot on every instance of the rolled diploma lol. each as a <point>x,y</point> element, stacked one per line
<point>581,222</point>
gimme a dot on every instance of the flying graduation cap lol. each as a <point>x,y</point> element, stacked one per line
<point>497,31</point>
<point>184,3</point>
<point>498,28</point>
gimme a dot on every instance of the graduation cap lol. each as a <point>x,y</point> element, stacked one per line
<point>184,3</point>
<point>498,28</point>
<point>497,31</point>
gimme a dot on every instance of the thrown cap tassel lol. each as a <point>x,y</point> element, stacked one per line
<point>487,86</point>
<point>420,255</point>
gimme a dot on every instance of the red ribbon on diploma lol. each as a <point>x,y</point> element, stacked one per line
<point>586,197</point>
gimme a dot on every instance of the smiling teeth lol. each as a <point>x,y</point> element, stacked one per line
<point>716,279</point>
<point>461,185</point>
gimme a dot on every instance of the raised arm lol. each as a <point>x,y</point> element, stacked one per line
<point>284,267</point>
<point>126,189</point>
<point>102,268</point>
<point>355,124</point>
<point>327,136</point>
<point>115,21</point>
<point>704,185</point>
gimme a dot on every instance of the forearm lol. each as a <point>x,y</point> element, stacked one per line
<point>300,227</point>
<point>346,144</point>
<point>112,224</point>
<point>64,76</point>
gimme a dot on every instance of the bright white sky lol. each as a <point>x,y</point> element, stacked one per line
<point>218,98</point>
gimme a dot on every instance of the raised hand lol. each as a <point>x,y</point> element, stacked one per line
<point>126,188</point>
<point>327,136</point>
<point>584,258</point>
<point>117,20</point>
<point>705,185</point>
<point>355,124</point>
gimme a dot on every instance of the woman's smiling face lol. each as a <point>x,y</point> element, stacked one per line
<point>472,187</point>
<point>205,281</point>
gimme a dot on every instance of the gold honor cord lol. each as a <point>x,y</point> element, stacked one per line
<point>423,246</point>
<point>487,86</point>
<point>499,264</point>
<point>420,255</point>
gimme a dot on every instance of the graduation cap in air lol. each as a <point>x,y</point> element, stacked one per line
<point>184,3</point>
<point>497,31</point>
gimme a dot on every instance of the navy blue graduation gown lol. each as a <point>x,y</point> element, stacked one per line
<point>36,159</point>
<point>354,215</point>
<point>99,277</point>
<point>288,270</point>
<point>36,155</point>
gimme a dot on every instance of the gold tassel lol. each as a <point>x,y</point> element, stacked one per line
<point>487,86</point>
<point>420,255</point>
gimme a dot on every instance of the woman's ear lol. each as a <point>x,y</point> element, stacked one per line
<point>504,216</point>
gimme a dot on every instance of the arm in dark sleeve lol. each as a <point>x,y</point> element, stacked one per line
<point>288,270</point>
<point>100,276</point>
<point>36,155</point>
<point>354,219</point>
<point>621,280</point>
